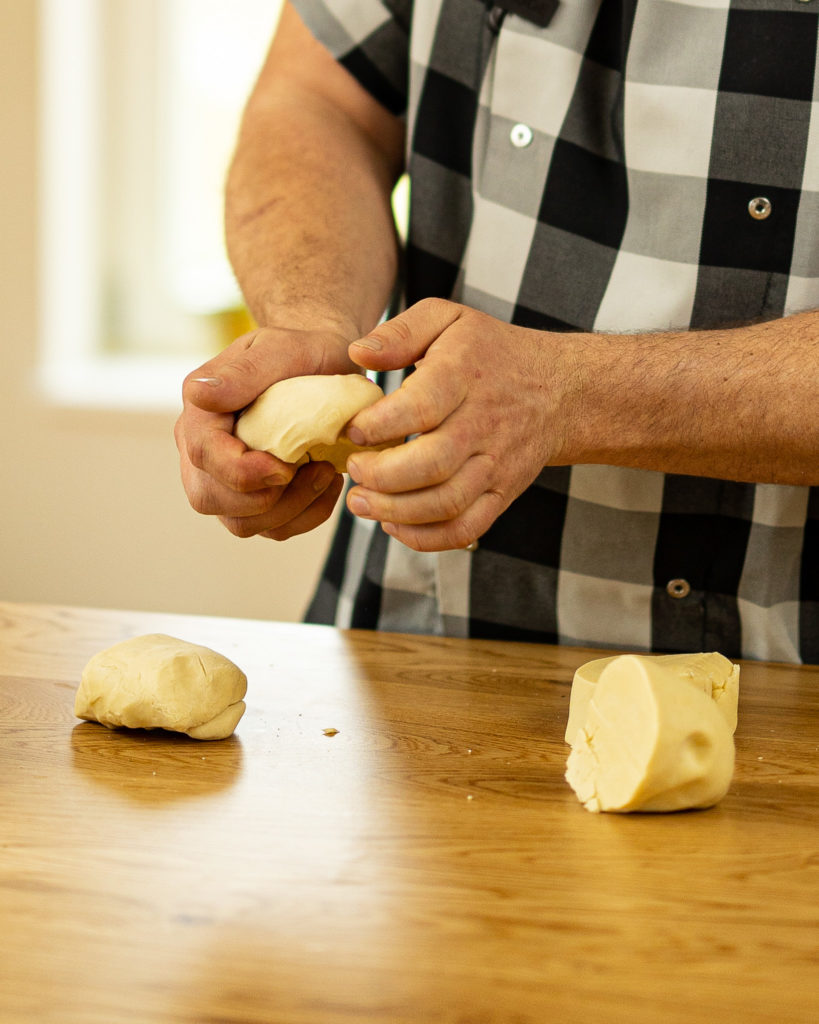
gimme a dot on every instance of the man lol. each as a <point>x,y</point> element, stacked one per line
<point>611,281</point>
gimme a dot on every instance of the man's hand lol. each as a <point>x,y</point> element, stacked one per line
<point>252,492</point>
<point>485,398</point>
<point>312,241</point>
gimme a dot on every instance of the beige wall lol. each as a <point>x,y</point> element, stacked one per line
<point>91,508</point>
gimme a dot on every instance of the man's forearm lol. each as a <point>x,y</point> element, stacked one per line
<point>308,219</point>
<point>737,404</point>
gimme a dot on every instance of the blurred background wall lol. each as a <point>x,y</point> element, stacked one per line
<point>91,508</point>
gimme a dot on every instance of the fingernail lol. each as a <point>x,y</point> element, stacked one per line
<point>353,471</point>
<point>358,506</point>
<point>356,436</point>
<point>277,480</point>
<point>373,344</point>
<point>389,528</point>
<point>213,382</point>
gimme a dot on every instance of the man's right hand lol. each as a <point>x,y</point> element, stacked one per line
<point>251,492</point>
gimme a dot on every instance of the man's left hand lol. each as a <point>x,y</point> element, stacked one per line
<point>486,403</point>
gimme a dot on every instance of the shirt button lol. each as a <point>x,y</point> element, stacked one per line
<point>759,208</point>
<point>678,588</point>
<point>495,17</point>
<point>521,135</point>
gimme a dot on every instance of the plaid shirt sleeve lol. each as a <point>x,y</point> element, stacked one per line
<point>370,39</point>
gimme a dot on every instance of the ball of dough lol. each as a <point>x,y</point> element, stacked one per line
<point>303,419</point>
<point>160,682</point>
<point>651,740</point>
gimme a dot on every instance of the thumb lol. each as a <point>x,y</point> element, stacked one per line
<point>405,338</point>
<point>242,371</point>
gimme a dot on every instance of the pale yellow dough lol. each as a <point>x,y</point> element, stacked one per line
<point>652,733</point>
<point>160,682</point>
<point>713,673</point>
<point>303,419</point>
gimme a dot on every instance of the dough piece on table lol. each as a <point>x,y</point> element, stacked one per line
<point>160,682</point>
<point>302,419</point>
<point>713,673</point>
<point>652,738</point>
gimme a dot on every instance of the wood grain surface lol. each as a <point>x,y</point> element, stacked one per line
<point>426,864</point>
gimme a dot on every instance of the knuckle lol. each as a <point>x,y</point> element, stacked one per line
<point>498,500</point>
<point>242,474</point>
<point>435,307</point>
<point>230,523</point>
<point>463,532</point>
<point>394,331</point>
<point>373,470</point>
<point>451,501</point>
<point>279,534</point>
<point>238,526</point>
<point>442,460</point>
<point>197,452</point>
<point>411,538</point>
<point>245,355</point>
<point>245,342</point>
<point>236,478</point>
<point>245,365</point>
<point>199,502</point>
<point>423,408</point>
<point>374,475</point>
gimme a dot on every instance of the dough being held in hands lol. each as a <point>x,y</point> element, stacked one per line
<point>303,419</point>
<point>160,682</point>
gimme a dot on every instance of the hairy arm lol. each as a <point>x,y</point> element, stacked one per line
<point>308,220</point>
<point>494,403</point>
<point>311,238</point>
<point>737,403</point>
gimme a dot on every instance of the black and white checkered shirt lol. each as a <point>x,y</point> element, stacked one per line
<point>634,165</point>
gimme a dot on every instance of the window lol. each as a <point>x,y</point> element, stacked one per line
<point>140,104</point>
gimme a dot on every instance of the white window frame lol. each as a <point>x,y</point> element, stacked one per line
<point>77,367</point>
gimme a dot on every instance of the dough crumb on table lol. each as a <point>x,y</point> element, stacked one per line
<point>652,733</point>
<point>161,682</point>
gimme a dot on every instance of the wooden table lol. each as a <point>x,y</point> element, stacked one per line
<point>428,863</point>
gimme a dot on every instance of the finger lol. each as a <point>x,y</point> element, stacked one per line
<point>206,441</point>
<point>422,462</point>
<point>210,498</point>
<point>422,403</point>
<point>231,380</point>
<point>313,516</point>
<point>309,484</point>
<point>442,503</point>
<point>456,534</point>
<point>404,339</point>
